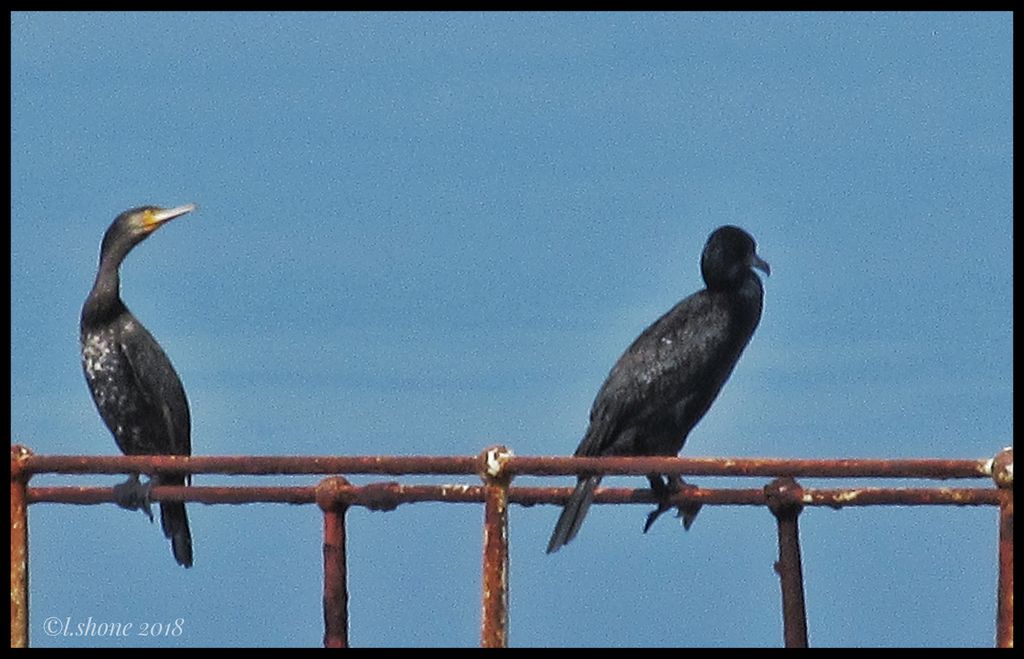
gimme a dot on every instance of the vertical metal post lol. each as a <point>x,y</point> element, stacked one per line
<point>784,500</point>
<point>494,625</point>
<point>1002,473</point>
<point>335,570</point>
<point>19,548</point>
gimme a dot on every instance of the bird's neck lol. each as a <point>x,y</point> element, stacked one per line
<point>751,297</point>
<point>104,301</point>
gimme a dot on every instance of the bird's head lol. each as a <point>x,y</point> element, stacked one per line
<point>134,225</point>
<point>728,257</point>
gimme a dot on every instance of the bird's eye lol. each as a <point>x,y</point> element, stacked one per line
<point>148,218</point>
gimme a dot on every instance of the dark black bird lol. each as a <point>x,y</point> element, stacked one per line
<point>668,378</point>
<point>133,384</point>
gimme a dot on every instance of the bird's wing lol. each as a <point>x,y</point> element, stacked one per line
<point>160,386</point>
<point>669,363</point>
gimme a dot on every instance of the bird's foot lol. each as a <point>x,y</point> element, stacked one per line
<point>133,495</point>
<point>688,511</point>
<point>664,490</point>
<point>655,514</point>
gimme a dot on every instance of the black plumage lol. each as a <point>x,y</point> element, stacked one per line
<point>135,387</point>
<point>667,379</point>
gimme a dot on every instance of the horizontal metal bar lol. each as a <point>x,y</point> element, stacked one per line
<point>769,467</point>
<point>516,466</point>
<point>253,465</point>
<point>388,495</point>
<point>211,495</point>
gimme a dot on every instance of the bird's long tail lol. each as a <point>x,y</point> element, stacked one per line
<point>174,519</point>
<point>575,510</point>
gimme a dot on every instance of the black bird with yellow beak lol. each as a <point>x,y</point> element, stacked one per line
<point>135,387</point>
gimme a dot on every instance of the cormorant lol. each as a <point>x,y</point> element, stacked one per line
<point>133,383</point>
<point>667,379</point>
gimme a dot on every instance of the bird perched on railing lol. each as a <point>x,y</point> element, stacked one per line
<point>667,379</point>
<point>135,387</point>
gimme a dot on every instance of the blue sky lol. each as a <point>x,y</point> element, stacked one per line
<point>427,234</point>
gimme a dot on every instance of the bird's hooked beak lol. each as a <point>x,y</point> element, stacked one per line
<point>762,265</point>
<point>155,217</point>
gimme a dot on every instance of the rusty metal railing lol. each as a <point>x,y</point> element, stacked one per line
<point>497,467</point>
